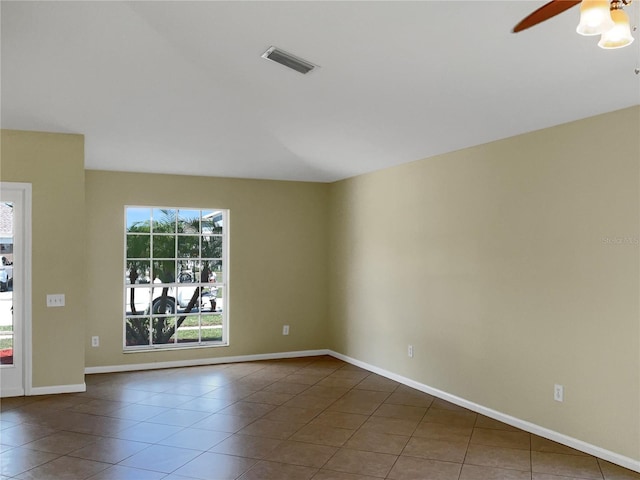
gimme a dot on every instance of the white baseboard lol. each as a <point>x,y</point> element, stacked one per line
<point>204,361</point>
<point>612,457</point>
<point>80,387</point>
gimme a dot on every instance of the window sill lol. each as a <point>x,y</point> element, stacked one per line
<point>164,348</point>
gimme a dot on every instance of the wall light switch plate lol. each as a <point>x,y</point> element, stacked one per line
<point>558,393</point>
<point>55,300</point>
<point>285,329</point>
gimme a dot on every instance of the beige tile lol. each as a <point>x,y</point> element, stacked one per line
<point>441,431</point>
<point>64,468</point>
<point>411,468</point>
<point>615,472</point>
<point>195,439</point>
<point>18,460</point>
<point>457,418</point>
<point>226,467</point>
<point>448,451</point>
<point>62,442</point>
<point>309,401</point>
<point>323,435</point>
<point>148,432</point>
<point>286,387</point>
<point>332,393</point>
<point>292,414</point>
<point>377,383</point>
<point>546,476</point>
<point>364,402</point>
<point>412,398</point>
<point>444,405</point>
<point>400,411</point>
<point>331,475</point>
<point>110,450</point>
<point>332,381</point>
<point>498,457</point>
<point>474,472</point>
<point>340,419</point>
<point>303,379</point>
<point>486,422</point>
<point>501,438</point>
<point>247,446</point>
<point>264,470</point>
<point>305,454</point>
<point>539,444</point>
<point>271,429</point>
<point>567,465</point>
<point>248,409</point>
<point>118,472</point>
<point>395,426</point>
<point>363,463</point>
<point>179,417</point>
<point>270,398</point>
<point>377,442</point>
<point>23,433</point>
<point>161,458</point>
<point>223,423</point>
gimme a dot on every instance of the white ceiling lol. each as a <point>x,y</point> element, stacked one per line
<point>180,87</point>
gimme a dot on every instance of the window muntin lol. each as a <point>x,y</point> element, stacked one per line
<point>175,277</point>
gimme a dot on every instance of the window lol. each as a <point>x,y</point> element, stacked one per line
<point>175,277</point>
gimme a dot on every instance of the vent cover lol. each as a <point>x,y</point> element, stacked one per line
<point>288,60</point>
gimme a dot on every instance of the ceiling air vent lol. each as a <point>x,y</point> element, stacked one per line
<point>288,60</point>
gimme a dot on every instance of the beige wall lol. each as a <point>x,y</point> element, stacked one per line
<point>278,266</point>
<point>54,165</point>
<point>493,262</point>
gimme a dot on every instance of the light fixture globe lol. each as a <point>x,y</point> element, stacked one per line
<point>595,17</point>
<point>620,35</point>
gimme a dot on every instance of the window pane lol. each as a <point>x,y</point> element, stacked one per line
<point>137,301</point>
<point>164,220</point>
<point>138,219</point>
<point>189,330</point>
<point>212,246</point>
<point>164,271</point>
<point>138,246</point>
<point>188,271</point>
<point>164,329</point>
<point>211,334</point>
<point>211,221</point>
<point>189,221</point>
<point>137,331</point>
<point>137,272</point>
<point>219,299</point>
<point>6,345</point>
<point>164,246</point>
<point>163,304</point>
<point>189,299</point>
<point>215,269</point>
<point>189,246</point>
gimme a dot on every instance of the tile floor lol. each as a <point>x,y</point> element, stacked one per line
<point>308,418</point>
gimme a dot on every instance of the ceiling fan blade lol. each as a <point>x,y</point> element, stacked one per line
<point>551,9</point>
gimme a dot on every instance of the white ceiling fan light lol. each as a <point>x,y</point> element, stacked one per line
<point>595,17</point>
<point>620,34</point>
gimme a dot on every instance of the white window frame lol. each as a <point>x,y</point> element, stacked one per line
<point>221,282</point>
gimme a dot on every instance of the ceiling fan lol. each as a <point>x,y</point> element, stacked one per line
<point>597,17</point>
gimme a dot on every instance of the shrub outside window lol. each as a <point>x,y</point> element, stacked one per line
<point>175,277</point>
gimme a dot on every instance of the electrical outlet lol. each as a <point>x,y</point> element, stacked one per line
<point>95,341</point>
<point>558,393</point>
<point>285,329</point>
<point>410,351</point>
<point>56,300</point>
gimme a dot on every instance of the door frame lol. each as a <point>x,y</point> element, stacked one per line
<point>24,303</point>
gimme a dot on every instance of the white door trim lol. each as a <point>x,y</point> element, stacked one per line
<point>24,190</point>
